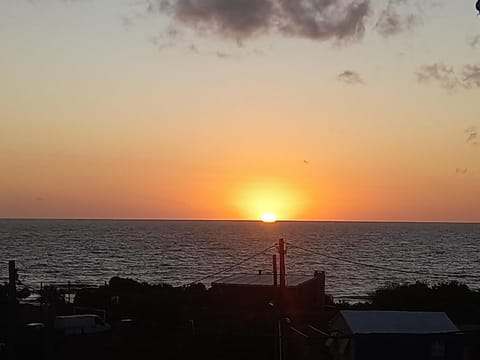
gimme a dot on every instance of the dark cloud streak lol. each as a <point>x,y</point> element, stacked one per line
<point>393,21</point>
<point>324,19</point>
<point>472,135</point>
<point>232,18</point>
<point>471,76</point>
<point>350,77</point>
<point>474,42</point>
<point>341,20</point>
<point>448,78</point>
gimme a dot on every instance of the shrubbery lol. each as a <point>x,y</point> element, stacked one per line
<point>460,302</point>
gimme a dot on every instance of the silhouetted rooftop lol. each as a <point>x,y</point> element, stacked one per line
<point>398,322</point>
<point>261,280</point>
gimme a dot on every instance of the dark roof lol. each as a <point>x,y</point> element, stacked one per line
<point>261,280</point>
<point>398,322</point>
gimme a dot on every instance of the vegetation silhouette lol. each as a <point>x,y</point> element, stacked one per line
<point>456,299</point>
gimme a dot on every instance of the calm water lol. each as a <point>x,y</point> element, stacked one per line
<point>179,252</point>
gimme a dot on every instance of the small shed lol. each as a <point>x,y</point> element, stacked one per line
<point>372,335</point>
<point>256,293</point>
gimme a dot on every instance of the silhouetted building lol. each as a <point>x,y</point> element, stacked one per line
<point>303,295</point>
<point>380,335</point>
<point>471,334</point>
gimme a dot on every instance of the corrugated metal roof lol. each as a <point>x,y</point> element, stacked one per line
<point>398,322</point>
<point>261,280</point>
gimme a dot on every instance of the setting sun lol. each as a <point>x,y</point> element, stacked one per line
<point>268,199</point>
<point>269,218</point>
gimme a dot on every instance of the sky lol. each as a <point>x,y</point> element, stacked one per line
<point>356,110</point>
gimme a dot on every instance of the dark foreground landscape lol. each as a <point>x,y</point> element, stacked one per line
<point>162,321</point>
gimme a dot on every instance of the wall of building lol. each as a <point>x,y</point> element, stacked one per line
<point>412,347</point>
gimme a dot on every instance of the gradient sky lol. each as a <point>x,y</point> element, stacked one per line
<point>127,109</point>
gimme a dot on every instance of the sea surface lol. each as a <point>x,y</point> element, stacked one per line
<point>356,257</point>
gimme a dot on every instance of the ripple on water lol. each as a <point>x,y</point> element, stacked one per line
<point>179,252</point>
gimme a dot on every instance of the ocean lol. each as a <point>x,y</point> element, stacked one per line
<point>357,257</point>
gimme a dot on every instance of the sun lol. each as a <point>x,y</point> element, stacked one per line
<point>267,199</point>
<point>269,218</point>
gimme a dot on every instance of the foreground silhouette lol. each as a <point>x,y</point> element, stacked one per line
<point>162,321</point>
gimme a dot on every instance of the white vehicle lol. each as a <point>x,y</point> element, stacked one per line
<point>81,324</point>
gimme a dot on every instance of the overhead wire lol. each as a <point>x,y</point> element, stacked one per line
<point>234,265</point>
<point>385,268</point>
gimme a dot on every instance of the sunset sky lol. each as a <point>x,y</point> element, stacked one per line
<point>228,109</point>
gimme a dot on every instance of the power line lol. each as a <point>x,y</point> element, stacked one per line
<point>384,268</point>
<point>233,266</point>
<point>380,267</point>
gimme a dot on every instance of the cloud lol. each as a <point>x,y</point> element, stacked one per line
<point>127,22</point>
<point>461,171</point>
<point>341,20</point>
<point>350,77</point>
<point>231,18</point>
<point>474,42</point>
<point>394,19</point>
<point>440,73</point>
<point>472,135</point>
<point>471,76</point>
<point>166,39</point>
<point>160,43</point>
<point>449,78</point>
<point>222,54</point>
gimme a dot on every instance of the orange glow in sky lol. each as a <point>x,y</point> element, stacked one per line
<point>100,122</point>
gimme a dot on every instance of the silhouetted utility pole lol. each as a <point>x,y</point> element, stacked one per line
<point>276,305</point>
<point>281,252</point>
<point>275,272</point>
<point>281,297</point>
<point>12,310</point>
<point>280,339</point>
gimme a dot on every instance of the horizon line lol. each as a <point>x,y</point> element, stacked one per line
<point>246,220</point>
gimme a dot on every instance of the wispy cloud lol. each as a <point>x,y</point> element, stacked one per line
<point>468,77</point>
<point>166,39</point>
<point>222,54</point>
<point>396,18</point>
<point>341,20</point>
<point>219,54</point>
<point>160,43</point>
<point>471,76</point>
<point>350,77</point>
<point>471,134</point>
<point>439,73</point>
<point>474,42</point>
